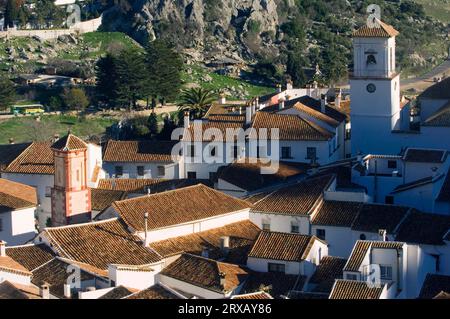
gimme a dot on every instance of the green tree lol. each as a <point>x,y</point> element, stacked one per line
<point>107,79</point>
<point>196,101</point>
<point>167,129</point>
<point>295,68</point>
<point>75,99</point>
<point>164,67</point>
<point>152,124</point>
<point>7,93</point>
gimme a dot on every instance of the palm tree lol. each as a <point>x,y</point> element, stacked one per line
<point>196,101</point>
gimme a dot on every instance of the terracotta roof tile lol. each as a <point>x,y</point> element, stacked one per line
<point>350,289</point>
<point>135,185</point>
<point>329,269</point>
<point>276,284</point>
<point>297,199</point>
<point>254,295</point>
<point>138,151</point>
<point>361,249</point>
<point>36,159</point>
<point>176,207</point>
<point>205,273</point>
<point>17,195</point>
<point>30,256</point>
<point>103,198</point>
<point>291,127</point>
<point>439,91</point>
<point>154,292</point>
<point>441,118</point>
<point>383,31</point>
<point>100,244</point>
<point>10,152</point>
<point>317,114</point>
<point>337,213</point>
<point>425,156</point>
<point>10,265</point>
<point>219,124</point>
<point>242,237</point>
<point>69,142</point>
<point>373,217</point>
<point>118,293</point>
<point>282,246</point>
<point>433,285</point>
<point>10,290</point>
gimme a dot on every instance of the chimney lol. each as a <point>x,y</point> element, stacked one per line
<point>222,279</point>
<point>55,137</point>
<point>289,85</point>
<point>338,100</point>
<point>248,114</point>
<point>44,291</point>
<point>11,141</point>
<point>254,106</point>
<point>2,248</point>
<point>67,291</point>
<point>382,235</point>
<point>323,103</point>
<point>281,103</point>
<point>240,110</point>
<point>225,244</point>
<point>146,240</point>
<point>279,90</point>
<point>258,106</point>
<point>187,119</point>
<point>222,98</point>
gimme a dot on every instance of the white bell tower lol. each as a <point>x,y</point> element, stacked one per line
<point>375,90</point>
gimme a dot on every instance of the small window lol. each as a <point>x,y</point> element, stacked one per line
<point>389,200</point>
<point>140,171</point>
<point>119,171</point>
<point>295,228</point>
<point>192,175</point>
<point>351,277</point>
<point>48,191</point>
<point>320,233</point>
<point>113,283</point>
<point>362,237</point>
<point>286,152</point>
<point>385,272</point>
<point>392,164</point>
<point>311,153</point>
<point>266,225</point>
<point>161,171</point>
<point>276,268</point>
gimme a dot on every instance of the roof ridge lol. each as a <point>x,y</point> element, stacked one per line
<point>20,155</point>
<point>96,222</point>
<point>317,128</point>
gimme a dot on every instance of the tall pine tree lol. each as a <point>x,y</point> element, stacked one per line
<point>7,93</point>
<point>107,79</point>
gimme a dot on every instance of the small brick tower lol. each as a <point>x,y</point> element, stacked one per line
<point>71,198</point>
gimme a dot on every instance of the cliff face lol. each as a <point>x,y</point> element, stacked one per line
<point>205,28</point>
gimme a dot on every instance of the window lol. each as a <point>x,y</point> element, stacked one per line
<point>161,171</point>
<point>295,228</point>
<point>386,272</point>
<point>235,151</point>
<point>118,171</point>
<point>192,151</point>
<point>140,171</point>
<point>311,153</point>
<point>392,164</point>
<point>266,225</point>
<point>276,267</point>
<point>48,191</point>
<point>113,283</point>
<point>286,152</point>
<point>320,233</point>
<point>351,277</point>
<point>389,200</point>
<point>192,175</point>
<point>362,237</point>
<point>371,59</point>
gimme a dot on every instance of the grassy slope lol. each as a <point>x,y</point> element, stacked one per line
<point>439,9</point>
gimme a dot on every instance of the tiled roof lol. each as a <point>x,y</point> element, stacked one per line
<point>383,31</point>
<point>439,91</point>
<point>100,244</point>
<point>15,196</point>
<point>257,197</point>
<point>118,293</point>
<point>9,152</point>
<point>351,289</point>
<point>246,173</point>
<point>176,207</point>
<point>103,198</point>
<point>317,114</point>
<point>9,290</point>
<point>30,256</point>
<point>138,151</point>
<point>36,159</point>
<point>444,194</point>
<point>417,183</point>
<point>440,118</point>
<point>242,237</point>
<point>329,269</point>
<point>282,246</point>
<point>253,295</point>
<point>276,284</point>
<point>10,265</point>
<point>55,273</point>
<point>373,217</point>
<point>423,228</point>
<point>361,249</point>
<point>302,295</point>
<point>425,156</point>
<point>433,285</point>
<point>225,109</point>
<point>291,128</point>
<point>442,295</point>
<point>205,273</point>
<point>337,213</point>
<point>135,185</point>
<point>69,142</point>
<point>154,292</point>
<point>217,123</point>
<point>297,199</point>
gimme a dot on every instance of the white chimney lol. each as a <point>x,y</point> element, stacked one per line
<point>281,103</point>
<point>248,114</point>
<point>279,89</point>
<point>289,85</point>
<point>240,110</point>
<point>44,291</point>
<point>222,279</point>
<point>2,248</point>
<point>382,235</point>
<point>222,98</point>
<point>11,141</point>
<point>323,103</point>
<point>338,100</point>
<point>258,106</point>
<point>146,240</point>
<point>253,107</point>
<point>67,291</point>
<point>225,244</point>
<point>187,119</point>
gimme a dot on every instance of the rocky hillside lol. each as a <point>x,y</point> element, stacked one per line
<point>252,30</point>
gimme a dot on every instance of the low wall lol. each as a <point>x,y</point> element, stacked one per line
<point>80,28</point>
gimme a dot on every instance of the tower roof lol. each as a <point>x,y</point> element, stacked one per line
<point>69,143</point>
<point>383,31</point>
